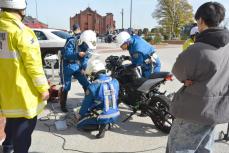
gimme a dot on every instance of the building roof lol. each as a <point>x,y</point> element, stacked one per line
<point>34,23</point>
<point>88,9</point>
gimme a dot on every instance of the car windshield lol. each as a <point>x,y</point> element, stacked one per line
<point>62,34</point>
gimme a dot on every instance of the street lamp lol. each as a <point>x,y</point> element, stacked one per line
<point>36,9</point>
<point>122,17</point>
<point>130,13</point>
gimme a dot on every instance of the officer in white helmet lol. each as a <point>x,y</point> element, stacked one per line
<point>193,34</point>
<point>141,53</point>
<point>75,56</point>
<point>23,86</point>
<point>99,107</point>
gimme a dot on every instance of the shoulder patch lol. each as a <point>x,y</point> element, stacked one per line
<point>32,41</point>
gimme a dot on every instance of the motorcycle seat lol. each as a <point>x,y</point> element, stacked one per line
<point>148,84</point>
<point>159,75</point>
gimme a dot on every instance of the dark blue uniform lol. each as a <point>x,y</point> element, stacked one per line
<point>102,96</point>
<point>140,51</point>
<point>73,64</point>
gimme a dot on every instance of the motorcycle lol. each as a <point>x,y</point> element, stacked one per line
<point>141,94</point>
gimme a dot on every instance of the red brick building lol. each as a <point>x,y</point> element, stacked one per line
<point>34,23</point>
<point>89,19</point>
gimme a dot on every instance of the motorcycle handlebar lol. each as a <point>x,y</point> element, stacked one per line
<point>114,61</point>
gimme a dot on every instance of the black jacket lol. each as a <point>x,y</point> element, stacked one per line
<point>206,63</point>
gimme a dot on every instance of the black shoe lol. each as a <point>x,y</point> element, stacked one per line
<point>102,130</point>
<point>7,149</point>
<point>63,101</point>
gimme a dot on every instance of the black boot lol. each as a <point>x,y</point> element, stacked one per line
<point>85,90</point>
<point>102,130</point>
<point>63,101</point>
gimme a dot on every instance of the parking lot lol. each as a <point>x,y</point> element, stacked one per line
<point>136,135</point>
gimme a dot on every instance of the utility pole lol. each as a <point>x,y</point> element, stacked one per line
<point>36,10</point>
<point>122,17</point>
<point>130,13</point>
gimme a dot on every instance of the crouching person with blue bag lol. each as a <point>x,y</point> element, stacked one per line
<point>99,108</point>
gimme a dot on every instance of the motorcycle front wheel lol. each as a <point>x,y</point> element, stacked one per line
<point>159,113</point>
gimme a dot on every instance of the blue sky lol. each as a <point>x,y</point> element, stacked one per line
<point>56,13</point>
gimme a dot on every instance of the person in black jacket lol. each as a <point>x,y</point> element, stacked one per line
<point>202,102</point>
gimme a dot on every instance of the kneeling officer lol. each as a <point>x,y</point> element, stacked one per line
<point>100,100</point>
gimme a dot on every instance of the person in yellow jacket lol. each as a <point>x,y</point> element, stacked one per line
<point>193,33</point>
<point>23,85</point>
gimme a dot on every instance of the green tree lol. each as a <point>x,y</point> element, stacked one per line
<point>140,32</point>
<point>172,15</point>
<point>145,31</point>
<point>154,30</point>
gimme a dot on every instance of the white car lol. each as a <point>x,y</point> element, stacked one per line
<point>51,41</point>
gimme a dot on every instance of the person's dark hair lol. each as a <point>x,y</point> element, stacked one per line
<point>75,27</point>
<point>212,13</point>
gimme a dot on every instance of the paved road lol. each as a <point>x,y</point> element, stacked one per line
<point>136,135</point>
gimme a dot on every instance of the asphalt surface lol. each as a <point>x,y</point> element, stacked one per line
<point>136,135</point>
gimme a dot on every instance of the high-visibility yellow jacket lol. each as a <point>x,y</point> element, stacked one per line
<point>187,43</point>
<point>22,78</point>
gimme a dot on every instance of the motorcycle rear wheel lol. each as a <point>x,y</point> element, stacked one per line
<point>160,115</point>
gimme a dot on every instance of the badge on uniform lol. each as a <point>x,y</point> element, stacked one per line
<point>135,55</point>
<point>87,92</point>
<point>32,41</point>
<point>3,40</point>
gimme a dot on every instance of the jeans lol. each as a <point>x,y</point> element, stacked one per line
<point>18,134</point>
<point>189,137</point>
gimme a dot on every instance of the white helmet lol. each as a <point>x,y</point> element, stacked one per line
<point>13,4</point>
<point>89,37</point>
<point>122,37</point>
<point>194,30</point>
<point>94,66</point>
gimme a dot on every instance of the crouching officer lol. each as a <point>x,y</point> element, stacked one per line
<point>99,107</point>
<point>75,56</point>
<point>142,53</point>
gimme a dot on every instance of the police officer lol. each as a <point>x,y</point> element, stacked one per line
<point>101,97</point>
<point>75,56</point>
<point>23,85</point>
<point>193,34</point>
<point>142,53</point>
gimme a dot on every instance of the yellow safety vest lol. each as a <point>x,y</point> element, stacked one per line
<point>187,43</point>
<point>22,78</point>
